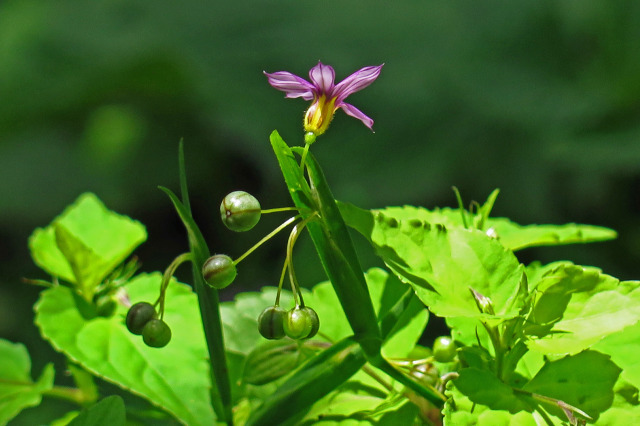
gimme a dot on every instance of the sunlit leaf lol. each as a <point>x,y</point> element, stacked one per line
<point>584,381</point>
<point>483,387</point>
<point>90,242</point>
<point>510,234</point>
<point>444,264</point>
<point>583,306</point>
<point>17,390</point>
<point>624,349</point>
<point>175,377</point>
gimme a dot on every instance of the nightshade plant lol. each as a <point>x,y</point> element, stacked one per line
<point>536,344</point>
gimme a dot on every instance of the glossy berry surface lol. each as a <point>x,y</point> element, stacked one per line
<point>240,211</point>
<point>219,271</point>
<point>156,333</point>
<point>301,323</point>
<point>271,322</point>
<point>138,316</point>
<point>444,349</point>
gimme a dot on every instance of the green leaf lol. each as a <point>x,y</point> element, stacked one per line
<point>443,264</point>
<point>565,380</point>
<point>17,390</point>
<point>483,387</point>
<point>85,243</point>
<point>624,347</point>
<point>581,305</point>
<point>385,290</point>
<point>461,411</point>
<point>313,380</point>
<point>517,237</point>
<point>109,411</point>
<point>510,234</point>
<point>272,360</point>
<point>355,404</point>
<point>240,317</point>
<point>175,377</point>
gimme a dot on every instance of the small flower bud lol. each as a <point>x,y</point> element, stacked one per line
<point>240,211</point>
<point>219,271</point>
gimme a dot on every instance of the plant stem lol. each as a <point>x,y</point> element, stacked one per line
<point>266,238</point>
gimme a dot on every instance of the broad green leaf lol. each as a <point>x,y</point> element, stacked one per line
<point>483,387</point>
<point>517,237</point>
<point>272,360</point>
<point>17,390</point>
<point>355,404</point>
<point>108,412</point>
<point>585,381</point>
<point>461,411</point>
<point>625,405</point>
<point>175,378</point>
<point>91,241</point>
<point>443,264</point>
<point>592,306</point>
<point>510,234</point>
<point>624,349</point>
<point>385,290</point>
<point>240,317</point>
<point>312,381</point>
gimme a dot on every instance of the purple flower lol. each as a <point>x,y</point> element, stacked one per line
<point>326,95</point>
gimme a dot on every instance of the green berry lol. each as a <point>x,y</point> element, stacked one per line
<point>138,316</point>
<point>219,271</point>
<point>444,349</point>
<point>271,322</point>
<point>301,323</point>
<point>156,333</point>
<point>240,211</point>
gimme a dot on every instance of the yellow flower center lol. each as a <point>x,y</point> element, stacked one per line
<point>319,115</point>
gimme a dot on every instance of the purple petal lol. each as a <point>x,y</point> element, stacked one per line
<point>356,113</point>
<point>322,76</point>
<point>292,85</point>
<point>356,81</point>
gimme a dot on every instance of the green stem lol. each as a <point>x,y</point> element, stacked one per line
<point>166,278</point>
<point>266,238</point>
<point>279,209</point>
<point>74,395</point>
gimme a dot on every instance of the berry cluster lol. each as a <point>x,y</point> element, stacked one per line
<point>240,212</point>
<point>142,319</point>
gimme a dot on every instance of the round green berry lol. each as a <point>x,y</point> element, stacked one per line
<point>156,333</point>
<point>138,316</point>
<point>106,306</point>
<point>301,323</point>
<point>219,271</point>
<point>444,349</point>
<point>271,322</point>
<point>240,211</point>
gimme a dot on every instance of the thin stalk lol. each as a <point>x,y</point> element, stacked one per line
<point>166,278</point>
<point>266,238</point>
<point>279,209</point>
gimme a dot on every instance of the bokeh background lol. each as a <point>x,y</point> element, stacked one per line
<point>537,97</point>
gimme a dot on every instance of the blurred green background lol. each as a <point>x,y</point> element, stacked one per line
<point>539,98</point>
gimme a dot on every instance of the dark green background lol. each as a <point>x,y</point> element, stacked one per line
<point>539,98</point>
